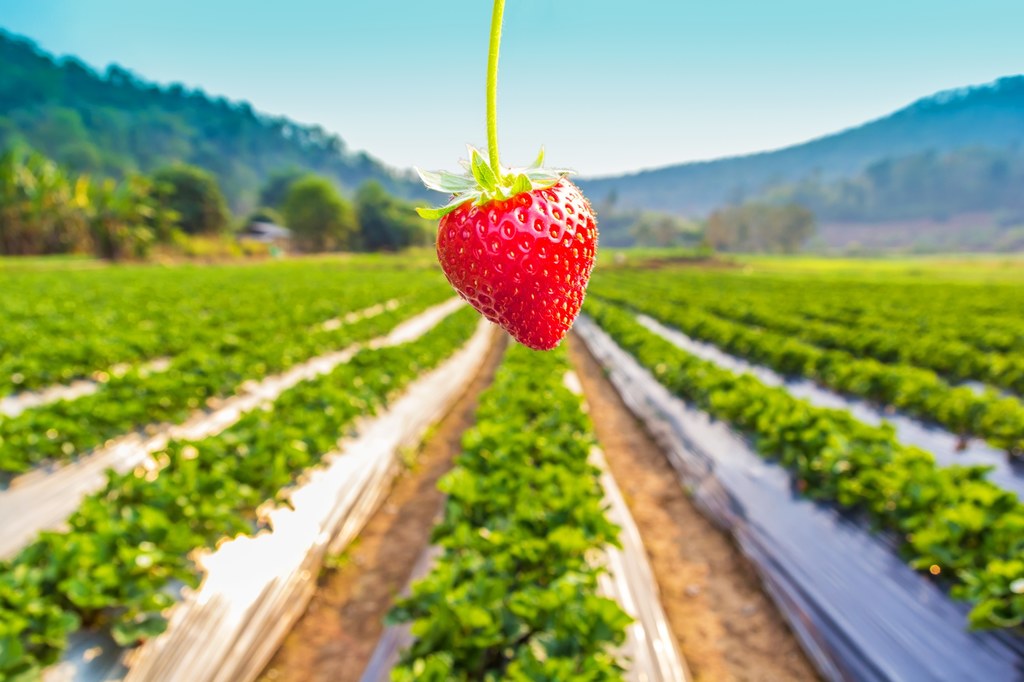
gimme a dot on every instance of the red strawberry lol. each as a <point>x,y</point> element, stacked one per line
<point>523,262</point>
<point>517,244</point>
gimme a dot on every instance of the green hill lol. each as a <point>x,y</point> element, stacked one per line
<point>955,128</point>
<point>116,122</point>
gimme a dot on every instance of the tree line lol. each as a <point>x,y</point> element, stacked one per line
<point>930,184</point>
<point>45,208</point>
<point>115,123</point>
<point>752,226</point>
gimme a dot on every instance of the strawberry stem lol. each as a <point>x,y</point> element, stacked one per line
<point>492,88</point>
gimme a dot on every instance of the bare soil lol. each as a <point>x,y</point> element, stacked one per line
<point>335,639</point>
<point>726,627</point>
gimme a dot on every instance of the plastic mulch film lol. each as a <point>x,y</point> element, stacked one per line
<point>947,447</point>
<point>650,648</point>
<point>255,588</point>
<point>43,499</point>
<point>860,612</point>
<point>396,638</point>
<point>649,653</point>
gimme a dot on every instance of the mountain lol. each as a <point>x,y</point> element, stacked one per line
<point>116,122</point>
<point>988,117</point>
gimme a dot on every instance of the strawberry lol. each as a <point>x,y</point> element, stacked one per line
<point>523,262</point>
<point>517,244</point>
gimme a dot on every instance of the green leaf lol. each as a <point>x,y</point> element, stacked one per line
<point>11,650</point>
<point>438,213</point>
<point>482,171</point>
<point>127,634</point>
<point>539,161</point>
<point>522,184</point>
<point>443,181</point>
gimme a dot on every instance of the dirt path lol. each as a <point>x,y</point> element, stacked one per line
<point>336,637</point>
<point>726,627</point>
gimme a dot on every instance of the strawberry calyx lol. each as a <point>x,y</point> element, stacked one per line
<point>481,183</point>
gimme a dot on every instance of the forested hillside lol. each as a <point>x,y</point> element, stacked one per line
<point>115,123</point>
<point>899,166</point>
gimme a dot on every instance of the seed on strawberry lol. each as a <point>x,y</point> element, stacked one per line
<point>523,262</point>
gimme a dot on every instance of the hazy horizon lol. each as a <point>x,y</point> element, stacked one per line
<point>719,81</point>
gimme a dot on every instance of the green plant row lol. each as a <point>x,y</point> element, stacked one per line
<point>870,337</point>
<point>63,325</point>
<point>987,317</point>
<point>67,429</point>
<point>127,544</point>
<point>951,519</point>
<point>912,390</point>
<point>513,596</point>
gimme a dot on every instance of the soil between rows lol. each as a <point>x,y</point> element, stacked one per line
<point>335,639</point>
<point>726,627</point>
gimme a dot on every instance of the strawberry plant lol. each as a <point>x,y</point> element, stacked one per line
<point>913,390</point>
<point>513,595</point>
<point>127,544</point>
<point>960,332</point>
<point>251,348</point>
<point>518,244</point>
<point>951,520</point>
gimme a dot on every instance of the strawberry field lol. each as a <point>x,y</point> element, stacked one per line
<point>185,449</point>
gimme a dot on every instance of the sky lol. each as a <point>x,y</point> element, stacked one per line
<point>607,87</point>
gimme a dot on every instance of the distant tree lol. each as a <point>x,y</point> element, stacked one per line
<point>388,223</point>
<point>664,230</point>
<point>793,226</point>
<point>195,196</point>
<point>81,157</point>
<point>319,217</point>
<point>126,218</point>
<point>40,206</point>
<point>265,215</point>
<point>275,189</point>
<point>760,227</point>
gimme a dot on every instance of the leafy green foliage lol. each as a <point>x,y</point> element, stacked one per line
<point>481,183</point>
<point>126,218</point>
<point>240,339</point>
<point>43,210</point>
<point>40,206</point>
<point>786,344</point>
<point>319,217</point>
<point>387,223</point>
<point>275,189</point>
<point>950,519</point>
<point>195,196</point>
<point>513,596</point>
<point>127,544</point>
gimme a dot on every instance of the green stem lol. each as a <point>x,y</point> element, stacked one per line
<point>492,87</point>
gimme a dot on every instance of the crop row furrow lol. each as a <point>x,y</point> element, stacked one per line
<point>94,320</point>
<point>952,521</point>
<point>913,390</point>
<point>195,379</point>
<point>514,592</point>
<point>130,543</point>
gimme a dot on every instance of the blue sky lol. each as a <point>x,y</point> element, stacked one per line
<point>606,86</point>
